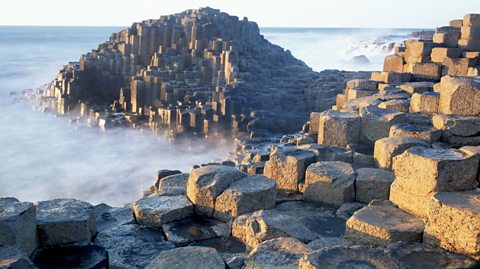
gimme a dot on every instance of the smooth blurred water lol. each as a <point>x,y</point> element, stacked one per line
<point>42,157</point>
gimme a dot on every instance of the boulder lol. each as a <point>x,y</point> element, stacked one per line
<point>381,223</point>
<point>330,183</point>
<point>416,87</point>
<point>350,257</point>
<point>188,258</point>
<point>11,257</point>
<point>18,225</point>
<point>389,147</point>
<point>426,102</point>
<point>172,185</point>
<point>155,211</point>
<point>132,246</point>
<point>281,253</point>
<point>303,221</point>
<point>454,222</point>
<point>206,183</point>
<point>189,230</point>
<point>246,195</point>
<point>460,96</point>
<point>287,167</point>
<point>372,183</point>
<point>424,132</point>
<point>421,171</point>
<point>234,261</point>
<point>338,128</point>
<point>416,255</point>
<point>64,221</point>
<point>376,123</point>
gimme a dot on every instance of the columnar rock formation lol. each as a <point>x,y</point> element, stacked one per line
<point>199,71</point>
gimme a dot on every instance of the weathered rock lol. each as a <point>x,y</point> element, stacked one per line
<point>325,242</point>
<point>460,96</point>
<point>205,184</point>
<point>454,125</point>
<point>350,257</point>
<point>338,128</point>
<point>165,173</point>
<point>246,195</point>
<point>314,121</point>
<point>393,63</point>
<point>423,132</point>
<point>157,210</point>
<point>287,167</point>
<point>111,217</point>
<point>381,223</point>
<point>426,102</point>
<point>454,222</point>
<point>234,261</point>
<point>362,83</point>
<point>371,184</point>
<point>132,246</point>
<point>63,221</point>
<point>18,225</point>
<point>329,153</point>
<point>330,183</point>
<point>416,87</point>
<point>303,221</point>
<point>281,253</point>
<point>11,257</point>
<point>189,230</point>
<point>398,105</point>
<point>420,172</point>
<point>389,147</point>
<point>416,255</point>
<point>376,122</point>
<point>172,185</point>
<point>71,256</point>
<point>188,258</point>
<point>347,209</point>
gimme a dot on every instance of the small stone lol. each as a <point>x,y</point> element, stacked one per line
<point>188,258</point>
<point>330,183</point>
<point>246,195</point>
<point>371,184</point>
<point>157,210</point>
<point>282,253</point>
<point>18,225</point>
<point>63,221</point>
<point>205,184</point>
<point>381,223</point>
<point>350,257</point>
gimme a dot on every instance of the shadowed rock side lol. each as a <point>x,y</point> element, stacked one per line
<point>200,71</point>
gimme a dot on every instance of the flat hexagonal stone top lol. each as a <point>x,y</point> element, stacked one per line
<point>188,257</point>
<point>63,210</point>
<point>340,114</point>
<point>252,184</point>
<point>438,154</point>
<point>359,257</point>
<point>330,171</point>
<point>11,207</point>
<point>157,210</point>
<point>464,200</point>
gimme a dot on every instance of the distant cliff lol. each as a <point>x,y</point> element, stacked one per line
<point>200,71</point>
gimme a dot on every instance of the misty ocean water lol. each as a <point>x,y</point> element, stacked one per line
<point>43,157</point>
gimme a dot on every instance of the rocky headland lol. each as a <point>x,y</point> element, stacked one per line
<point>385,174</point>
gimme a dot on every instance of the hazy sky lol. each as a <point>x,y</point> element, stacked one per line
<point>286,13</point>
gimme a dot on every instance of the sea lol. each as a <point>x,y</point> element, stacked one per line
<point>44,157</point>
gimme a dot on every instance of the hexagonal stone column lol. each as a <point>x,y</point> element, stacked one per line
<point>18,224</point>
<point>460,96</point>
<point>376,122</point>
<point>381,223</point>
<point>421,171</point>
<point>245,195</point>
<point>287,167</point>
<point>338,128</point>
<point>206,183</point>
<point>454,222</point>
<point>372,183</point>
<point>387,148</point>
<point>63,221</point>
<point>330,183</point>
<point>423,132</point>
<point>155,211</point>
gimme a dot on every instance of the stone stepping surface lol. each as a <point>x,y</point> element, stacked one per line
<point>188,257</point>
<point>154,211</point>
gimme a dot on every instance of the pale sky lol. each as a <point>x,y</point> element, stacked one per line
<point>267,13</point>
